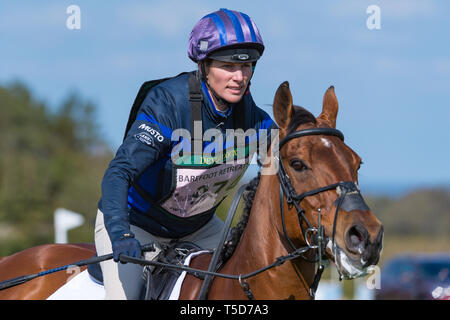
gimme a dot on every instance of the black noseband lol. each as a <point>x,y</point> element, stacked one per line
<point>353,200</point>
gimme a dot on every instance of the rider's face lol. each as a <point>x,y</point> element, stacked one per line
<point>228,79</point>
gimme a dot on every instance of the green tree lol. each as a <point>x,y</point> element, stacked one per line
<point>47,160</point>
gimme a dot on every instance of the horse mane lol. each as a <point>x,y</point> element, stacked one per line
<point>236,232</point>
<point>300,116</point>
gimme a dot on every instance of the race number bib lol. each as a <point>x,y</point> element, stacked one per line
<point>200,189</point>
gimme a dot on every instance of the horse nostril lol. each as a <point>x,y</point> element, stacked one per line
<point>356,239</point>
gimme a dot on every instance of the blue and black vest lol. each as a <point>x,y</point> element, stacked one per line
<point>155,180</point>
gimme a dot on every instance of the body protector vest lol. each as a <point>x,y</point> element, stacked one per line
<point>198,167</point>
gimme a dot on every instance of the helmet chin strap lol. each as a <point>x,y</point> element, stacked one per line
<point>219,100</point>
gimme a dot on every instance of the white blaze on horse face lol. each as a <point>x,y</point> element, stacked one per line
<point>325,142</point>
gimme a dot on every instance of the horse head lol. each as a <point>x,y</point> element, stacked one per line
<point>322,172</point>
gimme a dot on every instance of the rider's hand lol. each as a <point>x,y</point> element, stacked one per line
<point>126,245</point>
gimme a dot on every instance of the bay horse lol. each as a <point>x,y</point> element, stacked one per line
<point>316,177</point>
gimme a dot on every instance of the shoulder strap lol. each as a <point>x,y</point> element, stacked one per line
<point>196,99</point>
<point>239,115</point>
<point>142,93</point>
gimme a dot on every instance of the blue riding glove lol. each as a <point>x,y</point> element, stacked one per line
<point>126,245</point>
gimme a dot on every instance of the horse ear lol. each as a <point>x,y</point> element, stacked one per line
<point>282,106</point>
<point>329,108</point>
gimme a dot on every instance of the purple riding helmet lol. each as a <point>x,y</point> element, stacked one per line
<point>225,35</point>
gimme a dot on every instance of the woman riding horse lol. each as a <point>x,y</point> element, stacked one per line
<point>147,196</point>
<point>313,188</point>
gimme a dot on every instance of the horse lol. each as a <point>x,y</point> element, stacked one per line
<point>312,193</point>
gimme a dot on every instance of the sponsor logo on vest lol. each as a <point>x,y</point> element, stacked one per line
<point>145,138</point>
<point>152,131</point>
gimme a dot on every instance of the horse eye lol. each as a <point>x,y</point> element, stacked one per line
<point>298,165</point>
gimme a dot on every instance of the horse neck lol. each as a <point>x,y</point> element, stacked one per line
<point>262,242</point>
<point>261,237</point>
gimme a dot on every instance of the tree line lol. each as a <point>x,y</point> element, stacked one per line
<point>48,159</point>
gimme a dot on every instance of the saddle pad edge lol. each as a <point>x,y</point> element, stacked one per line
<point>175,294</point>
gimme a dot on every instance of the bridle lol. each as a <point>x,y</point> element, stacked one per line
<point>293,199</point>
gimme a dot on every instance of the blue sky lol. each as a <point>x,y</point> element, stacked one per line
<point>393,84</point>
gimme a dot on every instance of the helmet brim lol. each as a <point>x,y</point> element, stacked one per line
<point>236,54</point>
